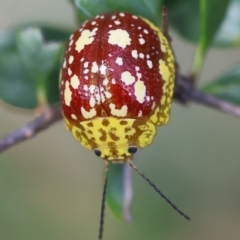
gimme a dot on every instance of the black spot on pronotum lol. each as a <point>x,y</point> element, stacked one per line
<point>132,150</point>
<point>97,152</point>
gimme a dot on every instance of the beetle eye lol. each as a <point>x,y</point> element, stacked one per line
<point>132,150</point>
<point>97,152</point>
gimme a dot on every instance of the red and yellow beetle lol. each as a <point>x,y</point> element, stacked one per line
<point>117,83</point>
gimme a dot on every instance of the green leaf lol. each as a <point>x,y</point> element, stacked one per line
<point>54,33</point>
<point>227,86</point>
<point>15,86</point>
<point>184,17</point>
<point>119,191</point>
<point>229,32</point>
<point>191,22</point>
<point>6,40</point>
<point>50,33</point>
<point>145,8</point>
<point>28,67</point>
<point>212,13</point>
<point>36,57</point>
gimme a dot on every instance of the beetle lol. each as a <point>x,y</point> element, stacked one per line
<point>117,84</point>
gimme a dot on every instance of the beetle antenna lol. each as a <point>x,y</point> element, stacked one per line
<point>158,190</point>
<point>100,235</point>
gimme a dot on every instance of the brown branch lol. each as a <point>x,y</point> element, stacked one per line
<point>48,117</point>
<point>185,91</point>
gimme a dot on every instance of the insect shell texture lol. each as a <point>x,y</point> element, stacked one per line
<point>116,83</point>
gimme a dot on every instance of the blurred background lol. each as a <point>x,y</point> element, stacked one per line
<point>50,187</point>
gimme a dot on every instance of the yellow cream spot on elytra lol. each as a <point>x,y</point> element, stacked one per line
<point>94,68</point>
<point>135,54</point>
<point>163,100</point>
<point>119,61</point>
<point>103,69</point>
<point>154,117</point>
<point>140,91</point>
<point>149,63</point>
<point>169,100</point>
<point>119,37</point>
<point>108,94</point>
<point>164,70</point>
<point>105,82</point>
<point>163,47</point>
<point>86,38</point>
<point>75,82</point>
<point>127,78</point>
<point>141,41</point>
<point>146,31</point>
<point>162,119</point>
<point>71,59</point>
<point>67,94</point>
<point>92,101</point>
<point>85,65</point>
<point>102,96</point>
<point>117,22</point>
<point>88,114</point>
<point>166,110</point>
<point>69,72</point>
<point>122,112</point>
<point>73,116</point>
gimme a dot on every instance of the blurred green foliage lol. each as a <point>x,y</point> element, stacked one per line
<point>30,59</point>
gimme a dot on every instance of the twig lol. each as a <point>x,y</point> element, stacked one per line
<point>48,117</point>
<point>185,91</point>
